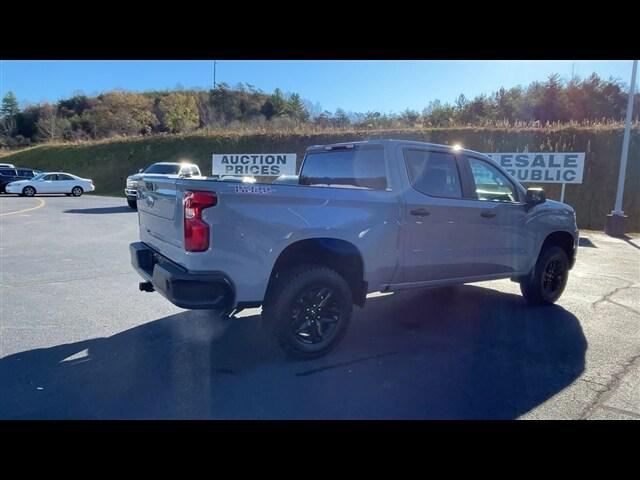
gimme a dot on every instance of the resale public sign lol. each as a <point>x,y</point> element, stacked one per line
<point>542,167</point>
<point>254,164</point>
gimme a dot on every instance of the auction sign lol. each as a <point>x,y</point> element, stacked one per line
<point>254,164</point>
<point>549,167</point>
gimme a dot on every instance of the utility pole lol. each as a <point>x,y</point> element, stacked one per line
<point>617,221</point>
<point>214,74</point>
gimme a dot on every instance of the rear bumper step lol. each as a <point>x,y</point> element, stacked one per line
<point>210,290</point>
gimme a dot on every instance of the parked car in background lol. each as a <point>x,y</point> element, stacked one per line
<point>161,168</point>
<point>379,215</point>
<point>12,174</point>
<point>51,182</point>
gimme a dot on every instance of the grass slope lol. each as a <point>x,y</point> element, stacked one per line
<point>109,162</point>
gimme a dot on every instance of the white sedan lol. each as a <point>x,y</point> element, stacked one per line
<point>52,182</point>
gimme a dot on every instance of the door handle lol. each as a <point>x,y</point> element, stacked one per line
<point>420,212</point>
<point>487,214</point>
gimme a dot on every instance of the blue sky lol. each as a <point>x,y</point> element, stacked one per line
<point>357,86</point>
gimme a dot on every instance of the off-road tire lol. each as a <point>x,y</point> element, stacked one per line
<point>288,295</point>
<point>541,287</point>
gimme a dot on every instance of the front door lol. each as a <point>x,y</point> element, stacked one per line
<point>47,184</point>
<point>498,219</point>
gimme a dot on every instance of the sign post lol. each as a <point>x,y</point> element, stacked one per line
<point>617,221</point>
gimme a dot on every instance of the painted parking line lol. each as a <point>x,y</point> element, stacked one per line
<point>40,205</point>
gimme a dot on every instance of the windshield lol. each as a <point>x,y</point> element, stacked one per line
<point>163,169</point>
<point>40,176</point>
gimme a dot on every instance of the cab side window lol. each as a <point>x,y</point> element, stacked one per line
<point>433,173</point>
<point>491,184</point>
<point>50,178</point>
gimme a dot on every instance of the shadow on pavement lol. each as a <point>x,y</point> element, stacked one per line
<point>101,210</point>
<point>463,352</point>
<point>629,239</point>
<point>585,242</point>
<point>45,195</point>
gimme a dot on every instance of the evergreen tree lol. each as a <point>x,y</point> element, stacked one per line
<point>279,102</point>
<point>296,108</point>
<point>9,106</point>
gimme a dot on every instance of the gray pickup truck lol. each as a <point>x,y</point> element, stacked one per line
<point>362,217</point>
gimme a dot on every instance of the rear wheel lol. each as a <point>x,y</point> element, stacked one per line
<point>308,311</point>
<point>76,191</point>
<point>28,191</point>
<point>132,204</point>
<point>545,284</point>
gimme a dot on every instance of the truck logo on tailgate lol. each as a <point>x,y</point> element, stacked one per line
<point>259,190</point>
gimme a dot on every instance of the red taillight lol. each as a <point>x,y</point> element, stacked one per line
<point>196,231</point>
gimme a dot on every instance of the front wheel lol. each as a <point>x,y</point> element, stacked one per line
<point>545,284</point>
<point>308,310</point>
<point>76,191</point>
<point>132,204</point>
<point>28,191</point>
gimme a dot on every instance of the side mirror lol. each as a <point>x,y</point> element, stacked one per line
<point>535,196</point>
<point>141,170</point>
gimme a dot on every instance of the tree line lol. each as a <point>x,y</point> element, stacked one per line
<point>119,113</point>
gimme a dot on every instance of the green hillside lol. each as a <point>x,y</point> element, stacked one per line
<point>109,162</point>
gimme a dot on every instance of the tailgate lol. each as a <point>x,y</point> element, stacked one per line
<point>159,212</point>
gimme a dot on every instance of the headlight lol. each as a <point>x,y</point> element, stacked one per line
<point>132,184</point>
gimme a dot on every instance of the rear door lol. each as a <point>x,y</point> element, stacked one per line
<point>65,183</point>
<point>7,175</point>
<point>436,238</point>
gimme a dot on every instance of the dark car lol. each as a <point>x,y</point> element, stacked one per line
<point>8,175</point>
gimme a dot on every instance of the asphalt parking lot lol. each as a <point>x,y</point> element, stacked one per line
<point>78,340</point>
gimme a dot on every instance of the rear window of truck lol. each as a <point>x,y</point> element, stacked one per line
<point>352,168</point>
<point>163,169</point>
